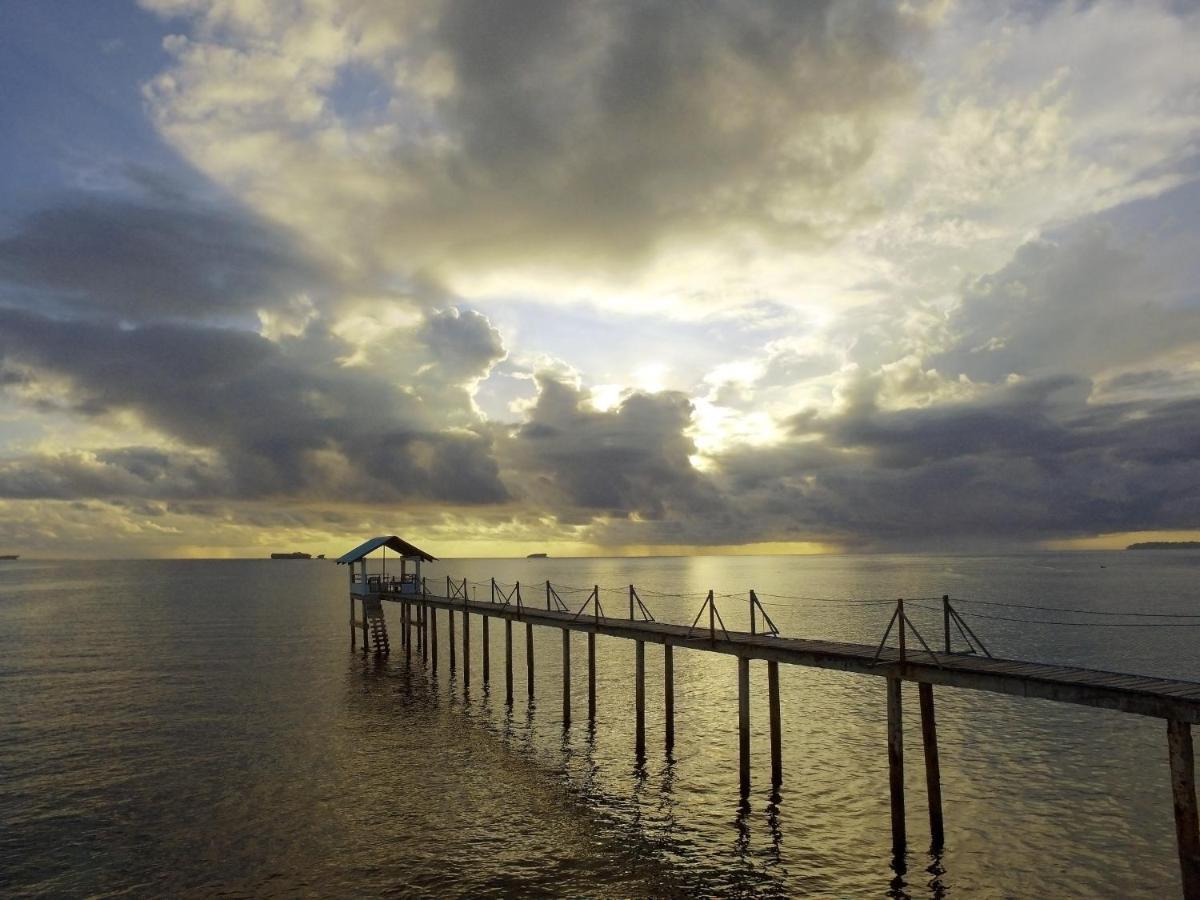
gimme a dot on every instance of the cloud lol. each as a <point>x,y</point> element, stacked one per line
<point>568,136</point>
<point>632,461</point>
<point>286,420</point>
<point>154,257</point>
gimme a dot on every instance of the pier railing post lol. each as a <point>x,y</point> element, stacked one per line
<point>744,725</point>
<point>776,730</point>
<point>895,735</point>
<point>669,692</point>
<point>933,768</point>
<point>529,657</point>
<point>547,594</point>
<point>1183,790</point>
<point>566,677</point>
<point>946,619</point>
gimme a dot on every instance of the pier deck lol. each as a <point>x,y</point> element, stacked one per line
<point>1159,697</point>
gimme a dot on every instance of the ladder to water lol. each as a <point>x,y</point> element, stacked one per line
<point>376,626</point>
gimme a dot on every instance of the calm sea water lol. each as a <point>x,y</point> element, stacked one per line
<point>201,728</point>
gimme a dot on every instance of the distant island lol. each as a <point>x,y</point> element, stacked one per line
<point>1165,545</point>
<point>536,556</point>
<point>11,556</point>
<point>291,555</point>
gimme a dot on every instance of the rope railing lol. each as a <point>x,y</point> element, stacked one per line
<point>955,624</point>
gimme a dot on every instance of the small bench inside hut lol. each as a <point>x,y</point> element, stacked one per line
<point>373,571</point>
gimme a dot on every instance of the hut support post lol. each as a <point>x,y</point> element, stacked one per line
<point>433,637</point>
<point>669,693</point>
<point>364,624</point>
<point>529,657</point>
<point>1183,788</point>
<point>776,732</point>
<point>353,636</point>
<point>566,676</point>
<point>744,725</point>
<point>933,768</point>
<point>896,764</point>
<point>508,675</point>
<point>591,677</point>
<point>639,696</point>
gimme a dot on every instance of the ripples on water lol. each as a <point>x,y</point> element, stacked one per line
<point>200,728</point>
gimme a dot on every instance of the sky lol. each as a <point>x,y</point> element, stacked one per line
<point>597,277</point>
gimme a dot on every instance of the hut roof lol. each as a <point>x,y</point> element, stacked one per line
<point>401,546</point>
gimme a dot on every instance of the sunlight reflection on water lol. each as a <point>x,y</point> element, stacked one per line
<point>200,727</point>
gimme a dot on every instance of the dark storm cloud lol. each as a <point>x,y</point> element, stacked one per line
<point>1035,461</point>
<point>285,421</point>
<point>122,473</point>
<point>629,461</point>
<point>154,256</point>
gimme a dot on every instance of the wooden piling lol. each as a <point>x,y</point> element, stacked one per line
<point>466,654</point>
<point>408,648</point>
<point>669,693</point>
<point>353,636</point>
<point>591,676</point>
<point>529,658</point>
<point>450,637</point>
<point>933,769</point>
<point>508,675</point>
<point>364,625</point>
<point>896,764</point>
<point>566,673</point>
<point>744,725</point>
<point>422,632</point>
<point>776,732</point>
<point>487,646</point>
<point>639,696</point>
<point>1183,789</point>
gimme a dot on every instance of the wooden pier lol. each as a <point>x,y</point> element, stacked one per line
<point>1176,702</point>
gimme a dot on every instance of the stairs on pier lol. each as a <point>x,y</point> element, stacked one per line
<point>376,626</point>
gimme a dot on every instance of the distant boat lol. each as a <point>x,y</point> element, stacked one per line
<point>11,556</point>
<point>291,555</point>
<point>536,556</point>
